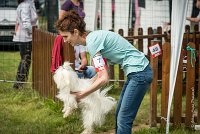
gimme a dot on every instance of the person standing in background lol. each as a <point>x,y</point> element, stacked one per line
<point>26,19</point>
<point>83,71</point>
<point>195,19</point>
<point>76,5</point>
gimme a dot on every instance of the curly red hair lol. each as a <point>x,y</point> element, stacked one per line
<point>70,21</point>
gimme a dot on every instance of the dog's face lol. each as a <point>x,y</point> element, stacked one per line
<point>60,79</point>
<point>65,77</point>
<point>67,66</point>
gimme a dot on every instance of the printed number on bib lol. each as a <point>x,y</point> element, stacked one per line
<point>155,50</point>
<point>99,63</point>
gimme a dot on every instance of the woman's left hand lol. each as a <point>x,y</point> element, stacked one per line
<point>78,95</point>
<point>82,68</point>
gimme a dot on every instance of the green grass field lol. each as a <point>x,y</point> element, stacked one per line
<point>26,112</point>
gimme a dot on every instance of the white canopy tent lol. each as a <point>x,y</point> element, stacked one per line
<point>179,10</point>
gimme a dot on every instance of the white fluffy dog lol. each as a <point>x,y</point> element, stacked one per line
<point>94,107</point>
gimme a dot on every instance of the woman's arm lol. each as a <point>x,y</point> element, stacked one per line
<point>83,57</point>
<point>100,80</point>
<point>94,78</point>
<point>26,18</point>
<point>64,8</point>
<point>193,19</point>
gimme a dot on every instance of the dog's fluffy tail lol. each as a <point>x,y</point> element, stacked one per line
<point>107,104</point>
<point>104,92</point>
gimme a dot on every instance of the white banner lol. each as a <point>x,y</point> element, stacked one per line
<point>179,10</point>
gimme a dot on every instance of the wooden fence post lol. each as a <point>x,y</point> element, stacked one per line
<point>52,89</point>
<point>198,77</point>
<point>198,116</point>
<point>33,57</point>
<point>190,87</point>
<point>177,111</point>
<point>165,82</point>
<point>121,72</point>
<point>68,54</point>
<point>150,32</point>
<point>153,90</point>
<point>140,41</point>
<point>159,31</point>
<point>130,33</point>
<point>111,71</point>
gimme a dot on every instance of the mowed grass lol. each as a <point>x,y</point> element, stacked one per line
<point>26,112</point>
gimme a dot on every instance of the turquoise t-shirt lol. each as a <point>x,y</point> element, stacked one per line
<point>116,50</point>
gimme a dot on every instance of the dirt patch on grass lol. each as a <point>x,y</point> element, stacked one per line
<point>134,129</point>
<point>138,127</point>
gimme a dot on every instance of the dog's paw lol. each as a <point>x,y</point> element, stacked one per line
<point>63,110</point>
<point>87,131</point>
<point>67,113</point>
<point>65,116</point>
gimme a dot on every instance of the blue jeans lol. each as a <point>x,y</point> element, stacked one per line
<point>130,99</point>
<point>88,73</point>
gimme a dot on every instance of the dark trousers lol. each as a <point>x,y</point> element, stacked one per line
<point>25,62</point>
